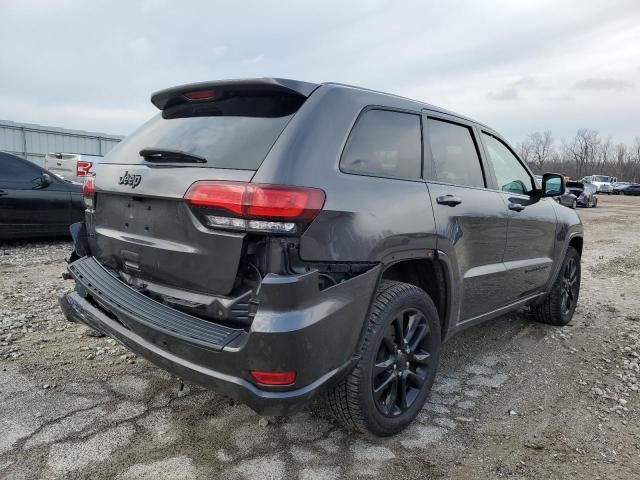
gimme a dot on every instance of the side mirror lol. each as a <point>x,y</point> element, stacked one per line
<point>41,182</point>
<point>552,185</point>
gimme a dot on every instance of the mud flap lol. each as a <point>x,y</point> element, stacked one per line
<point>80,244</point>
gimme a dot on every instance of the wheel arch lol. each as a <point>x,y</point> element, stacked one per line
<point>577,242</point>
<point>428,274</point>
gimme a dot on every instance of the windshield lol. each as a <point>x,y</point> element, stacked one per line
<point>600,178</point>
<point>224,141</point>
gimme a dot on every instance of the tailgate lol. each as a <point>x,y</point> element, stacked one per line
<point>156,238</point>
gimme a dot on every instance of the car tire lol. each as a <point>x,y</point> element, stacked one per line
<point>558,307</point>
<point>370,398</point>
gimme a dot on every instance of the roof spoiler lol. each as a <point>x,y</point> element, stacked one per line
<point>207,91</point>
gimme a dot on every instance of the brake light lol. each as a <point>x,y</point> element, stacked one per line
<point>254,206</point>
<point>89,192</point>
<point>200,95</point>
<point>82,168</point>
<point>273,378</point>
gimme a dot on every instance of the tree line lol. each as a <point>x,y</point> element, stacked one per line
<point>587,153</point>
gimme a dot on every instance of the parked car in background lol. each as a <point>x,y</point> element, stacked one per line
<point>631,189</point>
<point>603,183</point>
<point>567,199</point>
<point>71,166</point>
<point>538,179</point>
<point>617,186</point>
<point>585,193</point>
<point>34,202</point>
<point>224,267</point>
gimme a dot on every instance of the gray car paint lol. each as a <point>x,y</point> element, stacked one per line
<point>494,259</point>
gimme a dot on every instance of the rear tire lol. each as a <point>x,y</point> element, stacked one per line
<point>559,306</point>
<point>399,355</point>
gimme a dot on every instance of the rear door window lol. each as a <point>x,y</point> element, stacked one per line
<point>454,153</point>
<point>14,171</point>
<point>384,143</point>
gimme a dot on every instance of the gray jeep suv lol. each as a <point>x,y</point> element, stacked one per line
<point>279,241</point>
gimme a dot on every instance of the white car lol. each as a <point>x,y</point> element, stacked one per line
<point>71,166</point>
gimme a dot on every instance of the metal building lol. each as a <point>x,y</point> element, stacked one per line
<point>32,141</point>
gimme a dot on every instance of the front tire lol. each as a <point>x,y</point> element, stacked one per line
<point>559,306</point>
<point>399,356</point>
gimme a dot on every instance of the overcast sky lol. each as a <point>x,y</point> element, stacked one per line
<point>517,66</point>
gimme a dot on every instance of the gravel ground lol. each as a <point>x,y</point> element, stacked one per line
<point>513,398</point>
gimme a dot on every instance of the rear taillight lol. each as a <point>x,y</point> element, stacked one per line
<point>255,207</point>
<point>83,168</point>
<point>89,192</point>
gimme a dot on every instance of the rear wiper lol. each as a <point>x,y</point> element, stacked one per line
<point>167,155</point>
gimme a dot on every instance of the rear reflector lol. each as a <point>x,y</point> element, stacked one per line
<point>273,378</point>
<point>254,206</point>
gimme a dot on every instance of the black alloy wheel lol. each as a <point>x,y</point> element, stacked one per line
<point>402,363</point>
<point>399,355</point>
<point>560,304</point>
<point>570,285</point>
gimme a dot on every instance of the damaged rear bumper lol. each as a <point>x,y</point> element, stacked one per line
<point>297,328</point>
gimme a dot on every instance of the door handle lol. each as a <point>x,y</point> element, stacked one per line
<point>516,207</point>
<point>450,200</point>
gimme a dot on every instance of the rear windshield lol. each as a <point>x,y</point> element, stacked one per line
<point>234,142</point>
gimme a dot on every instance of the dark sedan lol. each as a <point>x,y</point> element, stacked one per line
<point>631,189</point>
<point>585,193</point>
<point>34,202</point>
<point>567,199</point>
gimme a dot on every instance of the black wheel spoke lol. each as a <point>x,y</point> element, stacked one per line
<point>412,326</point>
<point>574,271</point>
<point>382,366</point>
<point>415,379</point>
<point>380,389</point>
<point>419,336</point>
<point>402,392</point>
<point>390,401</point>
<point>420,358</point>
<point>399,329</point>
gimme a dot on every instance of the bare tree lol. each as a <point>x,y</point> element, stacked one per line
<point>524,150</point>
<point>541,148</point>
<point>584,154</point>
<point>583,150</point>
<point>634,157</point>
